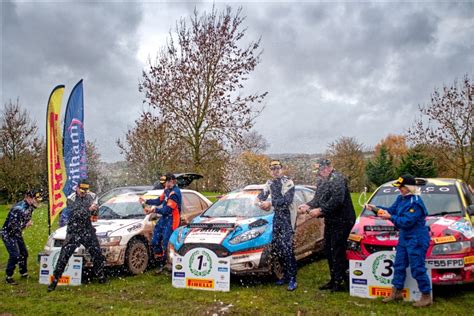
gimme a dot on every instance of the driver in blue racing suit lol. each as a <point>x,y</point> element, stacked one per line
<point>408,214</point>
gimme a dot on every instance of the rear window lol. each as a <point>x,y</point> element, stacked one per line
<point>439,200</point>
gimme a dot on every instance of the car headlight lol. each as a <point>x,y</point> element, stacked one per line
<point>109,241</point>
<point>452,248</point>
<point>181,235</point>
<point>248,235</point>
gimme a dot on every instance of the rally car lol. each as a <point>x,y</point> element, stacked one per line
<point>124,231</point>
<point>235,227</point>
<point>451,212</point>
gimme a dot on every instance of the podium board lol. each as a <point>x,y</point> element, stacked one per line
<point>72,274</point>
<point>372,277</point>
<point>201,269</point>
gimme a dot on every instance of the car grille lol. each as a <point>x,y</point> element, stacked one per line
<point>58,242</point>
<point>377,248</point>
<point>219,250</point>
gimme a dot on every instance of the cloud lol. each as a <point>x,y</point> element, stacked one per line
<point>331,69</point>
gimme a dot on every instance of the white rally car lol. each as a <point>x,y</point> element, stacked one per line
<point>125,232</point>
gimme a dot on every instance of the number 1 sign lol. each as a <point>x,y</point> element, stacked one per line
<point>372,277</point>
<point>200,268</point>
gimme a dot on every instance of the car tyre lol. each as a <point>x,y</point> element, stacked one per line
<point>277,269</point>
<point>136,257</point>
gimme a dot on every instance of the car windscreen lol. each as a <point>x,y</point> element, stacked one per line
<point>439,200</point>
<point>236,204</point>
<point>121,208</point>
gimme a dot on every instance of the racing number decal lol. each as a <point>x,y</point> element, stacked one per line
<point>388,267</point>
<point>200,263</point>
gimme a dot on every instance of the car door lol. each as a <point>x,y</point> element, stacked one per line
<point>309,234</point>
<point>193,205</point>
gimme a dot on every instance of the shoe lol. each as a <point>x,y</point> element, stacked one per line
<point>281,281</point>
<point>396,295</point>
<point>424,301</point>
<point>9,280</point>
<point>25,275</point>
<point>337,287</point>
<point>52,285</point>
<point>102,280</point>
<point>292,285</point>
<point>327,286</point>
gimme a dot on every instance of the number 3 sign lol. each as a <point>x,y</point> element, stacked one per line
<point>372,277</point>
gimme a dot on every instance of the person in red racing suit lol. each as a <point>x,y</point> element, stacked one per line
<point>408,214</point>
<point>168,205</point>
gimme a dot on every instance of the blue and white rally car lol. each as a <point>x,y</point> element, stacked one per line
<point>234,226</point>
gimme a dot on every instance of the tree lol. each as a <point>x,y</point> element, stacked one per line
<point>347,156</point>
<point>447,126</point>
<point>21,160</point>
<point>196,84</point>
<point>248,168</point>
<point>396,146</point>
<point>148,149</point>
<point>94,172</point>
<point>419,163</point>
<point>380,169</point>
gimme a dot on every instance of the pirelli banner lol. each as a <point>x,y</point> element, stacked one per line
<point>201,269</point>
<point>372,277</point>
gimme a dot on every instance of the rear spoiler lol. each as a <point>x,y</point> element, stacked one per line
<point>211,225</point>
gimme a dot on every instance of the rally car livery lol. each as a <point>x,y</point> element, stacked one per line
<point>451,212</point>
<point>234,226</point>
<point>124,231</point>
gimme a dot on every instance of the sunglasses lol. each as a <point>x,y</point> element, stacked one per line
<point>275,168</point>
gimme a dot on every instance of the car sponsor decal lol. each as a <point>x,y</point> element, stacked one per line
<point>359,281</point>
<point>355,237</point>
<point>469,260</point>
<point>384,291</point>
<point>358,272</point>
<point>464,227</point>
<point>385,237</point>
<point>179,274</point>
<point>444,239</point>
<point>134,227</point>
<point>44,272</point>
<point>62,280</point>
<point>445,263</point>
<point>222,269</point>
<point>178,267</point>
<point>444,222</point>
<point>212,236</point>
<point>200,283</point>
<point>451,276</point>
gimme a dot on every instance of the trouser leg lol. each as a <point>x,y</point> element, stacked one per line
<point>328,249</point>
<point>416,258</point>
<point>157,240</point>
<point>14,254</point>
<point>400,265</point>
<point>66,252</point>
<point>23,258</point>
<point>92,246</point>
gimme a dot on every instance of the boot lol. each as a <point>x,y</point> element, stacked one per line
<point>52,285</point>
<point>292,285</point>
<point>327,286</point>
<point>396,295</point>
<point>9,280</point>
<point>424,301</point>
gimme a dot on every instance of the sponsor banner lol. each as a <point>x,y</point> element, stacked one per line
<point>444,239</point>
<point>72,274</point>
<point>211,235</point>
<point>75,159</point>
<point>201,269</point>
<point>54,149</point>
<point>372,277</point>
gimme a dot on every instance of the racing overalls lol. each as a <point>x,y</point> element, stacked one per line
<point>170,210</point>
<point>282,191</point>
<point>408,214</point>
<point>20,214</point>
<point>80,231</point>
<point>333,197</point>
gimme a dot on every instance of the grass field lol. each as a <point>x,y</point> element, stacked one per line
<point>151,294</point>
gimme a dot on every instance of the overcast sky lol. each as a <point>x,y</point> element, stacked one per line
<point>331,69</point>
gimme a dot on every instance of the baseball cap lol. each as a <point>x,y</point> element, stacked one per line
<point>275,164</point>
<point>83,185</point>
<point>34,194</point>
<point>406,179</point>
<point>169,176</point>
<point>162,179</point>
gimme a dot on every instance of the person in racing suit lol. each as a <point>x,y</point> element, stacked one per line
<point>168,205</point>
<point>332,200</point>
<point>408,214</point>
<point>82,205</point>
<point>17,220</point>
<point>282,191</point>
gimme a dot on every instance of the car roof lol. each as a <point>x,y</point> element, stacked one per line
<point>430,181</point>
<point>262,186</point>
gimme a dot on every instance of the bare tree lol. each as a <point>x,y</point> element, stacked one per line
<point>21,162</point>
<point>348,157</point>
<point>197,82</point>
<point>447,126</point>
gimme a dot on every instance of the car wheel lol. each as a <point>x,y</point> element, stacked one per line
<point>136,257</point>
<point>277,269</point>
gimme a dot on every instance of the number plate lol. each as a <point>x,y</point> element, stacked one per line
<point>445,263</point>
